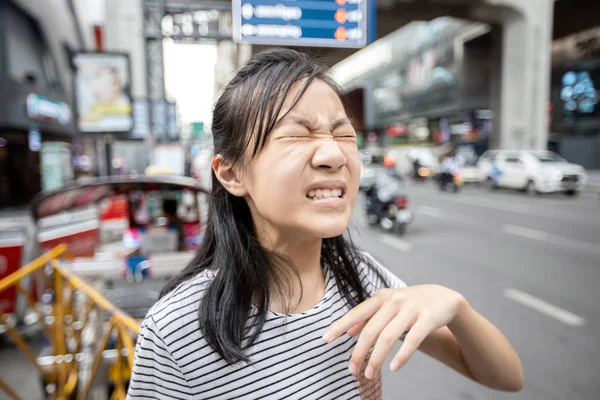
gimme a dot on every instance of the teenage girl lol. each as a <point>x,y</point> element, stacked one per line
<point>277,304</point>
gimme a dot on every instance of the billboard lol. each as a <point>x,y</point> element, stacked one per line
<point>103,92</point>
<point>324,23</point>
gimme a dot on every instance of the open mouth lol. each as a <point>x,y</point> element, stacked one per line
<point>320,194</point>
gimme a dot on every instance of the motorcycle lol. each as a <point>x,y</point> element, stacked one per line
<point>421,173</point>
<point>387,207</point>
<point>450,182</point>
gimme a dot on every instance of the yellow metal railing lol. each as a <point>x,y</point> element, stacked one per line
<point>73,306</point>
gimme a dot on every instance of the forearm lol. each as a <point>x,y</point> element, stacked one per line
<point>487,354</point>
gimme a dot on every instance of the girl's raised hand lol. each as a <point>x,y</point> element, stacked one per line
<point>385,317</point>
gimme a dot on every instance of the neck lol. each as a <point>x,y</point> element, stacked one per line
<point>305,253</point>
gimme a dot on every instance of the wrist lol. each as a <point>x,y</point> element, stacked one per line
<point>463,309</point>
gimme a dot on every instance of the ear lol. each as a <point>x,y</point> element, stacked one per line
<point>228,176</point>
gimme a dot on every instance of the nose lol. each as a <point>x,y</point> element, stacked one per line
<point>329,156</point>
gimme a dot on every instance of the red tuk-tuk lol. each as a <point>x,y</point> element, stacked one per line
<point>120,230</point>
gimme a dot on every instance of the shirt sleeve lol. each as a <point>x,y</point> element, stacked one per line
<point>378,277</point>
<point>155,373</point>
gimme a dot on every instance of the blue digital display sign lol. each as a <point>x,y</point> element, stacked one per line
<point>324,23</point>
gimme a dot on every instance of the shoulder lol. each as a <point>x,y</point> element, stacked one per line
<point>179,308</point>
<point>157,369</point>
<point>375,276</point>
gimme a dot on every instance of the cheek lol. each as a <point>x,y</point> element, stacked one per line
<point>276,179</point>
<point>353,165</point>
<point>353,162</point>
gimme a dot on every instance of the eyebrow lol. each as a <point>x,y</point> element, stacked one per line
<point>309,124</point>
<point>339,122</point>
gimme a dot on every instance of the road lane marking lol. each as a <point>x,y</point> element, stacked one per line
<point>431,211</point>
<point>442,214</point>
<point>549,238</point>
<point>396,243</point>
<point>543,307</point>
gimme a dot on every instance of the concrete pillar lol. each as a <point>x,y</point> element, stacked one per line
<point>368,106</point>
<point>244,53</point>
<point>496,85</point>
<point>230,57</point>
<point>123,32</point>
<point>521,112</point>
<point>225,66</point>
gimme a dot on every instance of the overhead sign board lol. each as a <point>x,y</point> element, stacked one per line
<point>324,23</point>
<point>196,25</point>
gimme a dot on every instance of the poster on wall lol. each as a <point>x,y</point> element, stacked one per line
<point>103,92</point>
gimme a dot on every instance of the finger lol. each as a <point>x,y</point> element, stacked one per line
<point>356,329</point>
<point>358,314</point>
<point>420,330</point>
<point>388,337</point>
<point>368,336</point>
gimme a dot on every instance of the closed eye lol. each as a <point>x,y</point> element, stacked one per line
<point>345,136</point>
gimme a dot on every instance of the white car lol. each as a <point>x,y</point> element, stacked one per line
<point>470,174</point>
<point>539,171</point>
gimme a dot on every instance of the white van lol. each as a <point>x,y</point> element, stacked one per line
<point>534,171</point>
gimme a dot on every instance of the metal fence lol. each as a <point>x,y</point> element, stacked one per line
<point>85,332</point>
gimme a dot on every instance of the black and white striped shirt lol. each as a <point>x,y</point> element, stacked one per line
<point>289,359</point>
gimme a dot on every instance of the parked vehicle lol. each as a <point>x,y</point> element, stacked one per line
<point>160,221</point>
<point>470,174</point>
<point>531,171</point>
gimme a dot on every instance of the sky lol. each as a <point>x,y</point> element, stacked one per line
<point>190,79</point>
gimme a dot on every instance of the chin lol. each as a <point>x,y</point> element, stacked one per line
<point>329,229</point>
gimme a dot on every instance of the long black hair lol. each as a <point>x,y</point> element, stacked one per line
<point>248,273</point>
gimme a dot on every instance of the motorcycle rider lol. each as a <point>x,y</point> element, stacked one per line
<point>452,165</point>
<point>386,185</point>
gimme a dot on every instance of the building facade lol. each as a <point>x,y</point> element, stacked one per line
<point>575,97</point>
<point>37,124</point>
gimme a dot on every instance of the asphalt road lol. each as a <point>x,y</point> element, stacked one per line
<point>530,264</point>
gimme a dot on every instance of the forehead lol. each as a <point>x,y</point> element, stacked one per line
<point>319,96</point>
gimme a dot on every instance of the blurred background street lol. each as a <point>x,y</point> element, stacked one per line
<point>482,115</point>
<point>529,264</point>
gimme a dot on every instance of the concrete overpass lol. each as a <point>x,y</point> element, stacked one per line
<point>393,14</point>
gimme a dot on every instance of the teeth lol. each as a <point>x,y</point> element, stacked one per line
<point>319,194</point>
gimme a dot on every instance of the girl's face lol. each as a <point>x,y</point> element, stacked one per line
<point>304,182</point>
